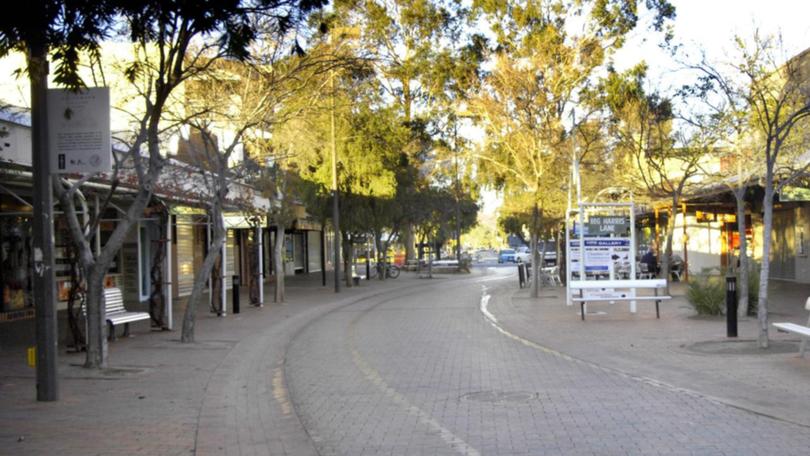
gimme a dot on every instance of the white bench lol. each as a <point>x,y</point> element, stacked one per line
<point>116,313</point>
<point>595,285</point>
<point>803,331</point>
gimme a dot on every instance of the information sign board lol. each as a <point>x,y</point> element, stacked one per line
<point>601,255</point>
<point>79,130</point>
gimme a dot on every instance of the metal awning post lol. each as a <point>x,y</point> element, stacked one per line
<point>633,276</point>
<point>224,275</point>
<point>167,274</point>
<point>260,266</point>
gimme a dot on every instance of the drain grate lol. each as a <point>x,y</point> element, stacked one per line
<point>501,397</point>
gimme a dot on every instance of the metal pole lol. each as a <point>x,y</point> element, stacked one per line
<point>323,256</point>
<point>235,294</point>
<point>167,278</point>
<point>685,245</point>
<point>633,304</point>
<point>335,205</point>
<point>581,216</point>
<point>568,224</point>
<point>458,209</point>
<point>223,279</point>
<point>368,262</point>
<point>260,262</point>
<point>44,289</point>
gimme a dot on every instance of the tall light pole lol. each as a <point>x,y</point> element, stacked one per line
<point>335,204</point>
<point>458,209</point>
<point>338,32</point>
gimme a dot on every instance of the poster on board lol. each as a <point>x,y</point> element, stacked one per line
<point>79,130</point>
<point>602,255</point>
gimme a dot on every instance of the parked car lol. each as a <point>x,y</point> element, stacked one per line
<point>507,256</point>
<point>523,254</point>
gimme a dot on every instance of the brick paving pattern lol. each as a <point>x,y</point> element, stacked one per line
<point>425,373</point>
<point>412,367</point>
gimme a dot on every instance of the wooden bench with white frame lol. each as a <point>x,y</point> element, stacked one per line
<point>596,285</point>
<point>803,331</point>
<point>115,313</point>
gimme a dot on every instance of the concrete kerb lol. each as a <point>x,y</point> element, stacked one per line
<point>660,352</point>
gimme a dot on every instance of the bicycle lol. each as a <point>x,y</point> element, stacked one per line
<point>391,270</point>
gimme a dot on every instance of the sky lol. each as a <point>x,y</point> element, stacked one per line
<point>710,25</point>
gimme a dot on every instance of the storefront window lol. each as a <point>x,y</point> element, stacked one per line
<point>15,274</point>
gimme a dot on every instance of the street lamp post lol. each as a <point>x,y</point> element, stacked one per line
<point>335,205</point>
<point>458,209</point>
<point>339,32</point>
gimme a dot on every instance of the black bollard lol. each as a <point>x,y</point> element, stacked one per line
<point>731,306</point>
<point>521,274</point>
<point>235,290</point>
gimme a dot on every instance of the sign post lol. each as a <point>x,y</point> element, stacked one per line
<point>44,286</point>
<point>601,244</point>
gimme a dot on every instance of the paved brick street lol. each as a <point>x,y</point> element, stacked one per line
<point>412,366</point>
<point>425,373</point>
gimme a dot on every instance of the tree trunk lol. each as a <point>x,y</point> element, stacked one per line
<point>409,247</point>
<point>767,225</point>
<point>96,356</point>
<point>348,260</point>
<point>381,249</point>
<point>218,235</point>
<point>665,258</point>
<point>743,271</point>
<point>533,246</point>
<point>430,258</point>
<point>278,265</point>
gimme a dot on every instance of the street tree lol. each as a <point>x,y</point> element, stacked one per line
<point>66,29</point>
<point>654,158</point>
<point>165,36</point>
<point>725,114</point>
<point>411,47</point>
<point>541,67</point>
<point>368,138</point>
<point>768,97</point>
<point>232,139</point>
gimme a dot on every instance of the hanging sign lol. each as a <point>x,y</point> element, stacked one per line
<point>79,130</point>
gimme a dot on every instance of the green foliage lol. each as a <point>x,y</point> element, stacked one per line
<point>707,294</point>
<point>542,70</point>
